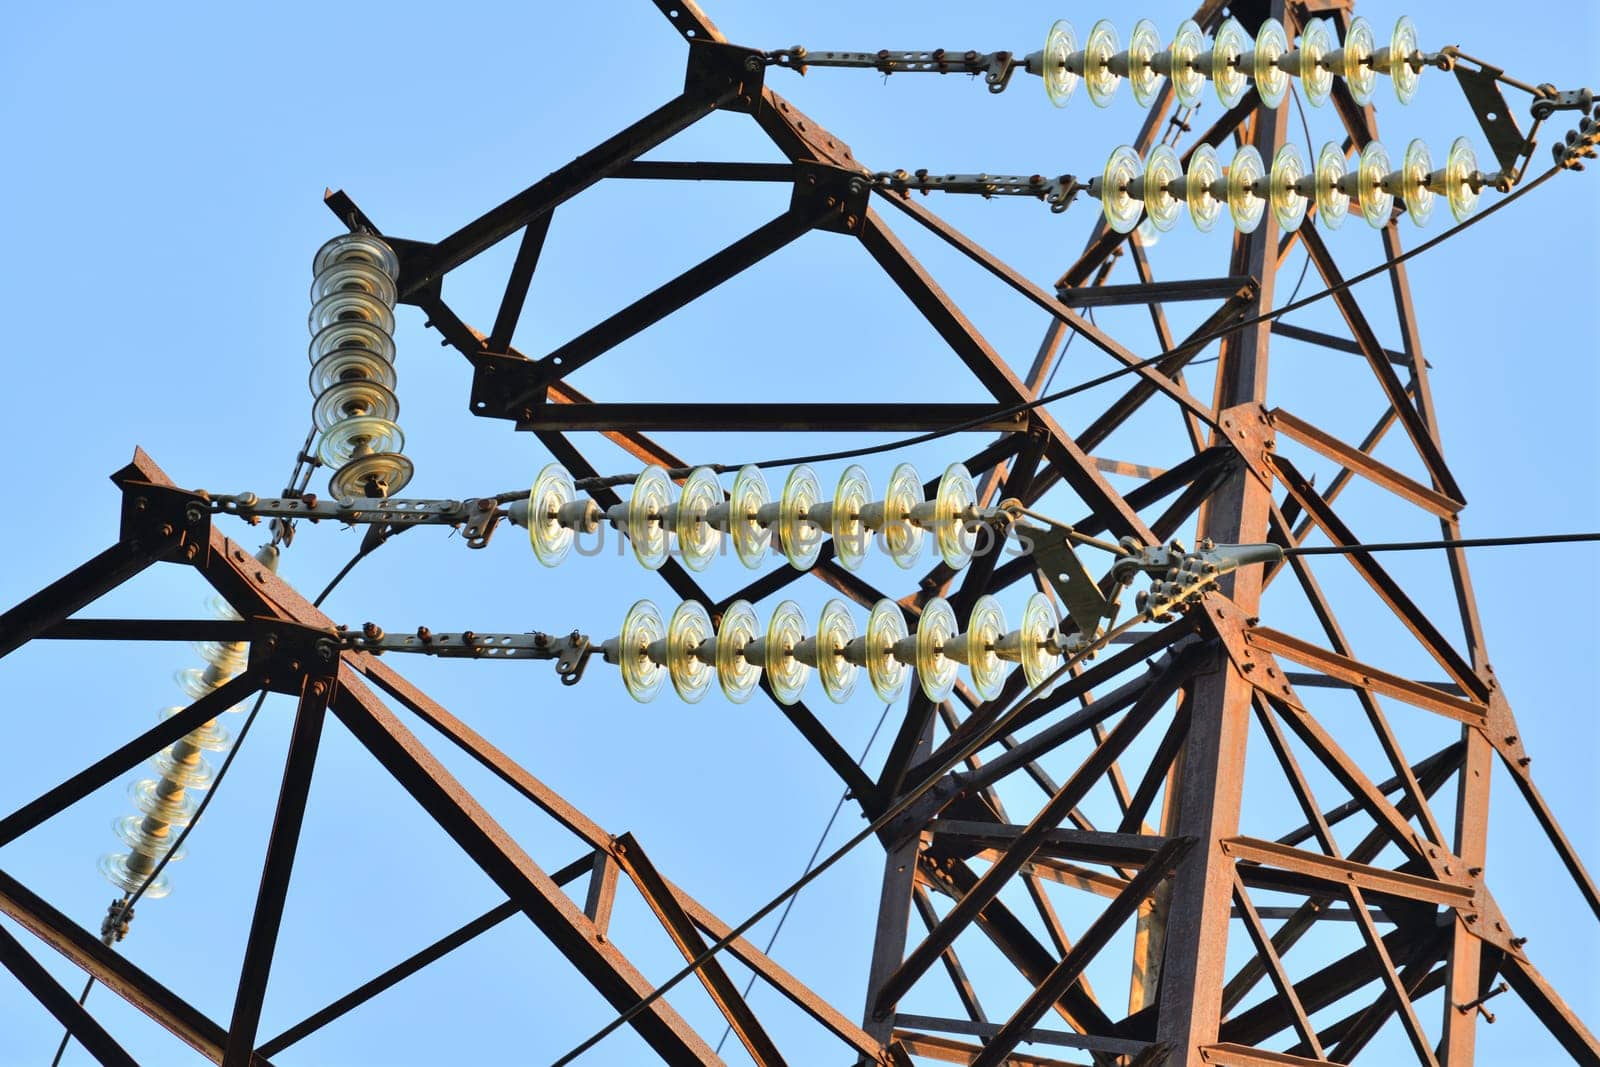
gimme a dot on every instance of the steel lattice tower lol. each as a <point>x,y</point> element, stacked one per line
<point>1187,862</point>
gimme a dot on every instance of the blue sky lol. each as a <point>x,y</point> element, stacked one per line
<point>163,202</point>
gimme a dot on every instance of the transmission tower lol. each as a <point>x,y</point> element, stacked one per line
<point>1175,692</point>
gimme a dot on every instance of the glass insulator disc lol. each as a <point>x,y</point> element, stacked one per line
<point>785,673</point>
<point>1228,73</point>
<point>1460,165</point>
<point>851,538</point>
<point>1122,209</point>
<point>176,808</point>
<point>1376,202</point>
<point>357,248</point>
<point>372,477</point>
<point>353,399</point>
<point>1059,43</point>
<point>698,540</point>
<point>687,631</point>
<point>1402,46</point>
<point>956,495</point>
<point>352,437</point>
<point>118,869</point>
<point>1205,181</point>
<point>350,305</point>
<point>552,490</point>
<point>1144,44</point>
<point>1415,167</point>
<point>749,496</point>
<point>1188,80</point>
<point>1272,43</point>
<point>985,627</point>
<point>353,334</point>
<point>1244,178</point>
<point>835,630</point>
<point>131,831</point>
<point>798,536</point>
<point>1316,80</point>
<point>886,627</point>
<point>1099,80</point>
<point>1333,203</point>
<point>353,275</point>
<point>1160,171</point>
<point>647,510</point>
<point>736,674</point>
<point>347,365</point>
<point>1038,632</point>
<point>641,628</point>
<point>1360,77</point>
<point>901,538</point>
<point>936,672</point>
<point>1288,202</point>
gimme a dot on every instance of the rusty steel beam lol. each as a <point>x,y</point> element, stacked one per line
<point>693,283</point>
<point>1068,971</point>
<point>1194,936</point>
<point>80,1025</point>
<point>559,186</point>
<point>71,592</point>
<point>684,934</point>
<point>522,268</point>
<point>284,840</point>
<point>1410,418</point>
<point>1366,676</point>
<point>1273,965</point>
<point>773,418</point>
<point>569,930</point>
<point>1027,842</point>
<point>1359,462</point>
<point>126,757</point>
<point>112,970</point>
<point>1154,292</point>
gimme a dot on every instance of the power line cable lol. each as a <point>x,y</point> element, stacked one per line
<point>1459,542</point>
<point>815,852</point>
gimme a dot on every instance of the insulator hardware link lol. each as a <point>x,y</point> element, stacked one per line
<point>1159,188</point>
<point>692,651</point>
<point>1231,60</point>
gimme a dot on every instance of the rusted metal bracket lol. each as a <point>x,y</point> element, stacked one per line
<point>834,196</point>
<point>716,67</point>
<point>289,655</point>
<point>1249,430</point>
<point>1086,605</point>
<point>1482,89</point>
<point>173,524</point>
<point>1500,727</point>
